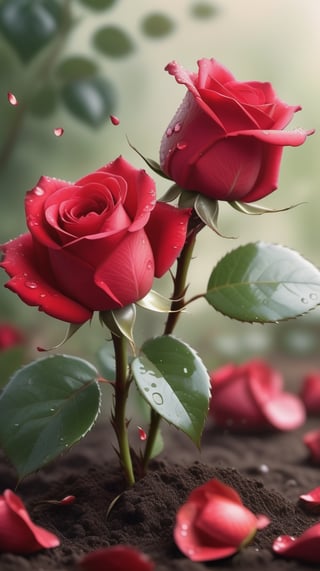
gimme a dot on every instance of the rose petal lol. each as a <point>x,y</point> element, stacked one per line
<point>166,230</point>
<point>292,138</point>
<point>305,548</point>
<point>285,412</point>
<point>18,533</point>
<point>116,558</point>
<point>311,500</point>
<point>33,287</point>
<point>310,392</point>
<point>312,440</point>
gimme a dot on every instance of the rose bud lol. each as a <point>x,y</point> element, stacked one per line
<point>18,534</point>
<point>250,397</point>
<point>310,392</point>
<point>9,336</point>
<point>312,440</point>
<point>116,558</point>
<point>93,245</point>
<point>306,547</point>
<point>226,139</point>
<point>214,523</point>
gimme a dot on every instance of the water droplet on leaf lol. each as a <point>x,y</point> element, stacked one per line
<point>157,398</point>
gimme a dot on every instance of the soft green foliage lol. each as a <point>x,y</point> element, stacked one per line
<point>262,283</point>
<point>113,41</point>
<point>98,4</point>
<point>174,381</point>
<point>29,26</point>
<point>46,407</point>
<point>157,25</point>
<point>90,99</point>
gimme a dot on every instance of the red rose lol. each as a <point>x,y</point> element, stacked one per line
<point>18,533</point>
<point>227,137</point>
<point>214,523</point>
<point>250,397</point>
<point>93,245</point>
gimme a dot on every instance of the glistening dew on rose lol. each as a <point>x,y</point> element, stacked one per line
<point>99,245</point>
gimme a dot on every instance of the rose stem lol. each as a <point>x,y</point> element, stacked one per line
<point>119,421</point>
<point>177,304</point>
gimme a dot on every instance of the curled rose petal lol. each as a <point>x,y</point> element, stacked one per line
<point>214,523</point>
<point>18,533</point>
<point>311,500</point>
<point>312,440</point>
<point>116,558</point>
<point>306,547</point>
<point>250,397</point>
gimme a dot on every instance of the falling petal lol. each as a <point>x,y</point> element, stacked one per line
<point>12,99</point>
<point>114,120</point>
<point>58,131</point>
<point>142,434</point>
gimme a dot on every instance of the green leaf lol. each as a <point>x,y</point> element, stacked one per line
<point>150,162</point>
<point>263,283</point>
<point>172,193</point>
<point>29,26</point>
<point>98,4</point>
<point>113,42</point>
<point>10,359</point>
<point>175,382</point>
<point>46,407</point>
<point>203,10</point>
<point>106,362</point>
<point>157,25</point>
<point>187,199</point>
<point>76,67</point>
<point>90,99</point>
<point>121,321</point>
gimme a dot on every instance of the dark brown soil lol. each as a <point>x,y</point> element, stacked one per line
<point>269,472</point>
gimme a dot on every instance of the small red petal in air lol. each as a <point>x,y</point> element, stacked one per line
<point>142,433</point>
<point>58,131</point>
<point>114,120</point>
<point>12,99</point>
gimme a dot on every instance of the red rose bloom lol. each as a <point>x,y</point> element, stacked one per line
<point>93,245</point>
<point>227,137</point>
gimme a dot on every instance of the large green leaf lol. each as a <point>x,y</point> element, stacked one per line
<point>90,99</point>
<point>263,283</point>
<point>175,382</point>
<point>46,407</point>
<point>29,25</point>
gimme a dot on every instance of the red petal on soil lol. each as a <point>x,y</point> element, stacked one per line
<point>305,548</point>
<point>312,440</point>
<point>117,558</point>
<point>285,411</point>
<point>311,500</point>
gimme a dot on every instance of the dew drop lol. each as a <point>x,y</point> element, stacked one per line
<point>149,265</point>
<point>43,295</point>
<point>154,385</point>
<point>52,410</point>
<point>177,127</point>
<point>58,131</point>
<point>38,191</point>
<point>313,296</point>
<point>146,389</point>
<point>157,398</point>
<point>142,434</point>
<point>114,120</point>
<point>181,146</point>
<point>304,300</point>
<point>31,285</point>
<point>12,99</point>
<point>185,370</point>
<point>263,468</point>
<point>16,425</point>
<point>169,132</point>
<point>61,439</point>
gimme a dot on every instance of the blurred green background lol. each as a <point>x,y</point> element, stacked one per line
<point>70,63</point>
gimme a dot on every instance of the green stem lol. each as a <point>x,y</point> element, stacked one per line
<point>119,420</point>
<point>177,304</point>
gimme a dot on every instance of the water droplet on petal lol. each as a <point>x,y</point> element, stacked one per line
<point>58,131</point>
<point>149,265</point>
<point>38,191</point>
<point>181,146</point>
<point>313,296</point>
<point>142,434</point>
<point>114,120</point>
<point>177,127</point>
<point>12,99</point>
<point>169,132</point>
<point>31,285</point>
<point>304,300</point>
<point>157,398</point>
